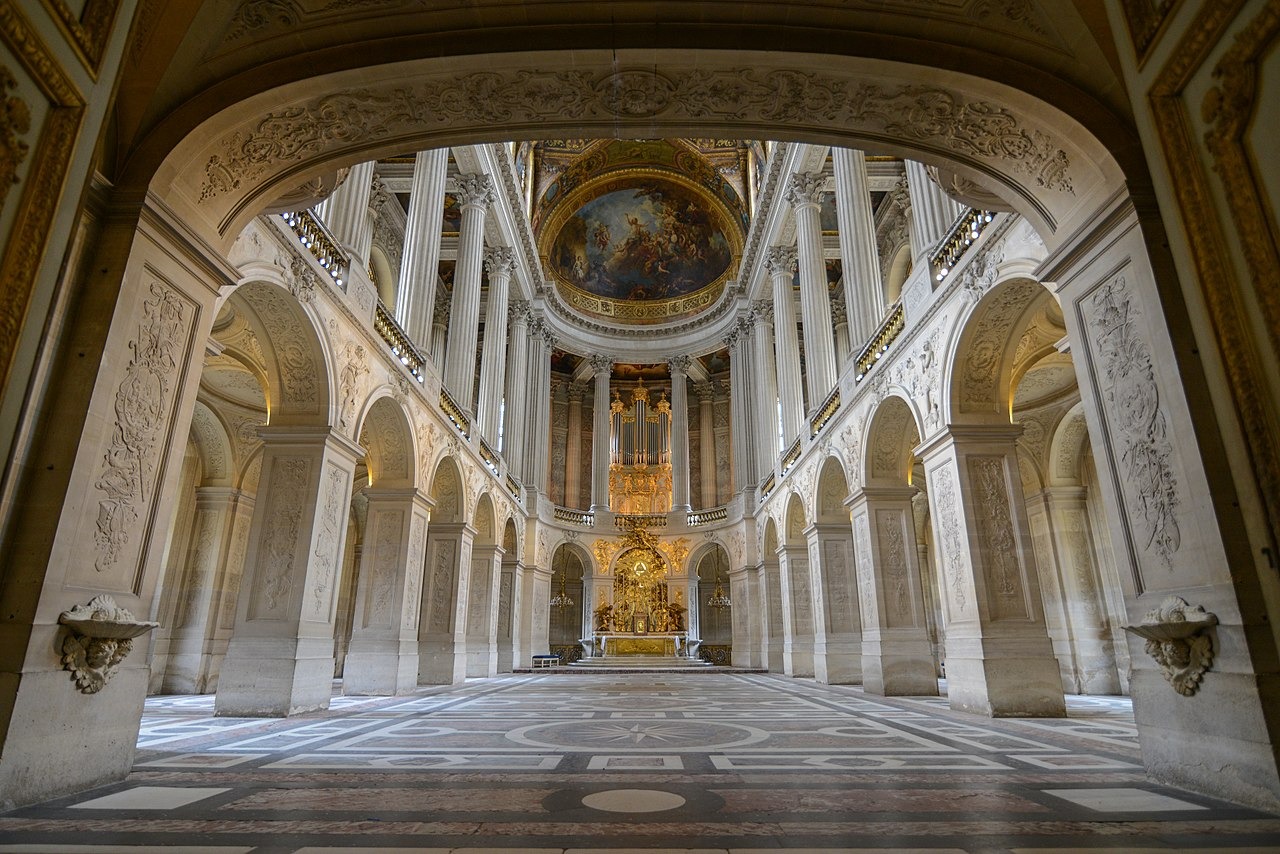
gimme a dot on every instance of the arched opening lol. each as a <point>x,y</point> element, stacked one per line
<point>568,570</point>
<point>797,592</point>
<point>441,626</point>
<point>510,600</point>
<point>771,584</point>
<point>715,607</point>
<point>831,539</point>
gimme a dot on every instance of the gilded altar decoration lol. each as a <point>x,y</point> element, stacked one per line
<point>640,453</point>
<point>101,636</point>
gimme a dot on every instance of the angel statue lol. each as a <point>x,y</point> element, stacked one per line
<point>604,617</point>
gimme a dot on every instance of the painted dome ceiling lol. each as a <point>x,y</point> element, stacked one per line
<point>639,231</point>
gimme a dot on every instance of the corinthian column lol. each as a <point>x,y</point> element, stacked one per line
<point>859,257</point>
<point>573,447</point>
<point>517,411</point>
<point>499,262</point>
<point>805,195</point>
<point>707,445</point>
<point>474,195</point>
<point>765,383</point>
<point>679,366</point>
<point>419,268</point>
<point>781,261</point>
<point>601,368</point>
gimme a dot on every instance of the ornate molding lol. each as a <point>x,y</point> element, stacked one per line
<point>781,260</point>
<point>475,190</point>
<point>101,637</point>
<point>1176,639</point>
<point>499,261</point>
<point>15,122</point>
<point>804,189</point>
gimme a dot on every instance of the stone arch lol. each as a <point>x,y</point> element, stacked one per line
<point>833,489</point>
<point>384,277</point>
<point>447,487</point>
<point>893,432</point>
<point>896,273</point>
<point>209,435</point>
<point>570,572</point>
<point>484,520</point>
<point>795,520</point>
<point>387,437</point>
<point>980,372</point>
<point>510,538</point>
<point>1068,447</point>
<point>299,381</point>
<point>715,625</point>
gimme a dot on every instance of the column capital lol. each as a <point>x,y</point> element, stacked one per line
<point>601,364</point>
<point>499,260</point>
<point>839,314</point>
<point>761,312</point>
<point>804,189</point>
<point>578,390</point>
<point>443,298</point>
<point>518,312</point>
<point>705,391</point>
<point>679,363</point>
<point>475,190</point>
<point>780,260</point>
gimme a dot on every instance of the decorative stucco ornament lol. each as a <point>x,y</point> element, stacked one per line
<point>101,637</point>
<point>1176,639</point>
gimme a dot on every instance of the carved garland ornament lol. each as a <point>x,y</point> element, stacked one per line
<point>1176,639</point>
<point>915,112</point>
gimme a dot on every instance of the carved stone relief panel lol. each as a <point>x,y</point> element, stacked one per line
<point>235,572</point>
<point>385,544</point>
<point>1135,419</point>
<point>417,547</point>
<point>334,498</point>
<point>201,565</point>
<point>273,575</point>
<point>144,409</point>
<point>504,605</point>
<point>865,560</point>
<point>951,544</point>
<point>1001,564</point>
<point>840,600</point>
<point>895,585</point>
<point>440,592</point>
<point>478,598</point>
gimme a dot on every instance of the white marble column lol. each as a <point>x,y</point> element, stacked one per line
<point>346,214</point>
<point>706,443</point>
<point>999,658</point>
<point>781,261</point>
<point>740,408</point>
<point>679,366</point>
<point>765,383</point>
<point>859,256</point>
<point>805,195</point>
<point>420,265</point>
<point>602,369</point>
<point>538,454</point>
<point>896,657</point>
<point>573,446</point>
<point>933,212</point>
<point>840,321</point>
<point>474,196</point>
<point>382,657</point>
<point>440,326</point>
<point>516,416</point>
<point>280,659</point>
<point>499,261</point>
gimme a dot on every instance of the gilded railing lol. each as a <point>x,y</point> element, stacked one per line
<point>791,456</point>
<point>958,241</point>
<point>401,347</point>
<point>490,457</point>
<point>627,521</point>
<point>314,236</point>
<point>879,345</point>
<point>455,413</point>
<point>829,408</point>
<point>574,517</point>
<point>766,488</point>
<point>513,486</point>
<point>706,517</point>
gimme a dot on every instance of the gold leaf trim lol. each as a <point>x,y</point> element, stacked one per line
<point>87,34</point>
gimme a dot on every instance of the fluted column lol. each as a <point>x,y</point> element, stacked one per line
<point>859,257</point>
<point>744,474</point>
<point>420,265</point>
<point>602,369</point>
<point>346,214</point>
<point>765,383</point>
<point>933,212</point>
<point>840,320</point>
<point>517,418</point>
<point>440,326</point>
<point>781,262</point>
<point>499,261</point>
<point>573,446</point>
<point>707,442</point>
<point>474,195</point>
<point>679,366</point>
<point>537,455</point>
<point>805,195</point>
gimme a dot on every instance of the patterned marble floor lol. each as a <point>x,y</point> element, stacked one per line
<point>713,762</point>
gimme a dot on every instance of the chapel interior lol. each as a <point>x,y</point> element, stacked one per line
<point>688,371</point>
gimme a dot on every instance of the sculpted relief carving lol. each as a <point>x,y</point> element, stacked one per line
<point>324,579</point>
<point>143,407</point>
<point>1136,418</point>
<point>284,518</point>
<point>417,543</point>
<point>946,509</point>
<point>924,113</point>
<point>995,523</point>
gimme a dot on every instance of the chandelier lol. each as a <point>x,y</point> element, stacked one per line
<point>561,600</point>
<point>718,599</point>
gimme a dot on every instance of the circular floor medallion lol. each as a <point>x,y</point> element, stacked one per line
<point>633,800</point>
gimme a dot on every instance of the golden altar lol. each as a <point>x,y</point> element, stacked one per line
<point>640,645</point>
